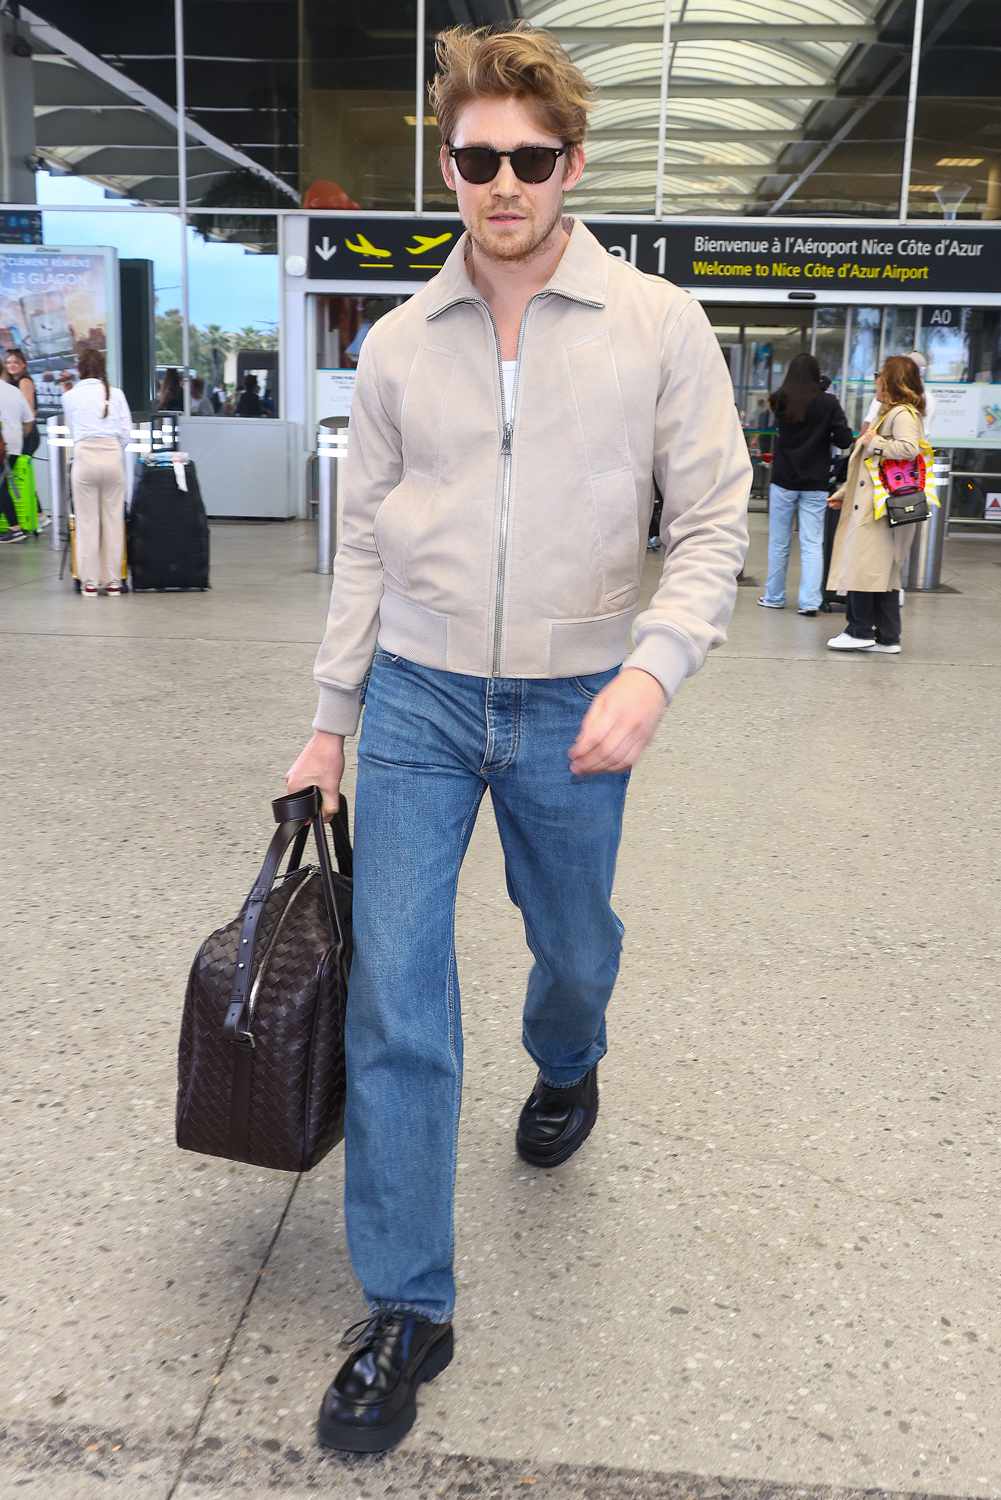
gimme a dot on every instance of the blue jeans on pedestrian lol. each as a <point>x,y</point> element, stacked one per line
<point>432,742</point>
<point>782,507</point>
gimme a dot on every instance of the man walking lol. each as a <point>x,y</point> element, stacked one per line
<point>507,426</point>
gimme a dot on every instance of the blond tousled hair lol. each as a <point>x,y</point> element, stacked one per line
<point>522,61</point>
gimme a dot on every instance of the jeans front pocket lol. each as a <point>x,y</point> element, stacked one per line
<point>591,684</point>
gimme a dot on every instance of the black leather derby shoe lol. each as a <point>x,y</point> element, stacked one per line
<point>372,1402</point>
<point>556,1122</point>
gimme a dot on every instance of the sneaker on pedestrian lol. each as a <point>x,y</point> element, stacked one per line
<point>892,650</point>
<point>89,591</point>
<point>44,521</point>
<point>846,642</point>
<point>767,603</point>
<point>809,613</point>
<point>113,590</point>
<point>15,534</point>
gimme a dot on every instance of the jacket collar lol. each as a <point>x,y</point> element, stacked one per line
<point>581,275</point>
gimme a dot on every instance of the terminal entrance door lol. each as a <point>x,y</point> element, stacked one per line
<point>760,340</point>
<point>849,343</point>
<point>337,325</point>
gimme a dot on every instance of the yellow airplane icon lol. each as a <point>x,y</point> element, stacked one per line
<point>364,246</point>
<point>425,242</point>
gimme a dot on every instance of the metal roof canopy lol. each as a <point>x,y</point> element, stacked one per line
<point>97,122</point>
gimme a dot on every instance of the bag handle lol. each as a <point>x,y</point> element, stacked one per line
<point>307,805</point>
<point>295,816</point>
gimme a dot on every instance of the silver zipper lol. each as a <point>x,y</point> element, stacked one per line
<point>252,1002</point>
<point>507,433</point>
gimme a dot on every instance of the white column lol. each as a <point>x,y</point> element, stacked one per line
<point>912,104</point>
<point>419,118</point>
<point>665,71</point>
<point>182,200</point>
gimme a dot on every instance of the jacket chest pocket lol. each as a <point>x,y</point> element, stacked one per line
<point>604,441</point>
<point>425,413</point>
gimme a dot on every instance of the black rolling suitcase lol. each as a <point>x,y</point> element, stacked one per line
<point>168,531</point>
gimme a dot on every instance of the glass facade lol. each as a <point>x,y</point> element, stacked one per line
<point>180,135</point>
<point>297,103</point>
<point>956,167</point>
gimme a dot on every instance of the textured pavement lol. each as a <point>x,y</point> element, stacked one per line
<point>773,1270</point>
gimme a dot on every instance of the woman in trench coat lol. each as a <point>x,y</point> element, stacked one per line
<point>869,557</point>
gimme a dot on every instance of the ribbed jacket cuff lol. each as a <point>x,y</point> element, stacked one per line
<point>338,710</point>
<point>665,657</point>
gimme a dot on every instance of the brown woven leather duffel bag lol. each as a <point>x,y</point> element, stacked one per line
<point>261,1056</point>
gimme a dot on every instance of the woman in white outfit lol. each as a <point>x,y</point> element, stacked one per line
<point>100,425</point>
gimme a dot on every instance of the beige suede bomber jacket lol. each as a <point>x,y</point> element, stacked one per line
<point>511,543</point>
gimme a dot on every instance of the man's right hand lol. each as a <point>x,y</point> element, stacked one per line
<point>320,764</point>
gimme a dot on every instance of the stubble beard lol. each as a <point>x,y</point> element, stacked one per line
<point>510,248</point>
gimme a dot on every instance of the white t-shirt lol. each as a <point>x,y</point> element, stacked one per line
<point>84,408</point>
<point>509,366</point>
<point>14,412</point>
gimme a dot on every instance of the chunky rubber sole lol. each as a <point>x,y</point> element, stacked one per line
<point>346,1437</point>
<point>560,1155</point>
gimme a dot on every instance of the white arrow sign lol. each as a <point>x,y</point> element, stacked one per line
<point>325,249</point>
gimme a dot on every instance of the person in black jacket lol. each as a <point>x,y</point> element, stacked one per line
<point>250,403</point>
<point>809,422</point>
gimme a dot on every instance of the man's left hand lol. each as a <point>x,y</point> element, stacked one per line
<point>619,724</point>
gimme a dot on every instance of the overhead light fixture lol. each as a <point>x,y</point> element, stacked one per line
<point>925,187</point>
<point>428,119</point>
<point>960,161</point>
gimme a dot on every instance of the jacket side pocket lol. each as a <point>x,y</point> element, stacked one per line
<point>617,517</point>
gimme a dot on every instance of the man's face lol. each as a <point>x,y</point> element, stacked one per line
<point>506,218</point>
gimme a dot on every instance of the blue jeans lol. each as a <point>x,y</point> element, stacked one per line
<point>782,506</point>
<point>431,744</point>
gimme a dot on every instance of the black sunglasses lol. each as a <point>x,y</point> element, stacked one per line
<point>480,164</point>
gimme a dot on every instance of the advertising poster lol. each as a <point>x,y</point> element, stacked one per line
<point>334,389</point>
<point>967,413</point>
<point>55,302</point>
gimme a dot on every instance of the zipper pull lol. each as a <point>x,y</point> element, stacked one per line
<point>506,444</point>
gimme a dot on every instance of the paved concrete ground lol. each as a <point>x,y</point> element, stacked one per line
<point>776,1264</point>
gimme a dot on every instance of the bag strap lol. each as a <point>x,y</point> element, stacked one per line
<point>295,815</point>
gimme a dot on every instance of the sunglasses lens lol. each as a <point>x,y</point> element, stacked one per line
<point>534,163</point>
<point>477,163</point>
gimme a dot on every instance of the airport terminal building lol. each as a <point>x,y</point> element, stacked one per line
<point>227,199</point>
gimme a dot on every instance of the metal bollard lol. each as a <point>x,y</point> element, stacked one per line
<point>923,571</point>
<point>59,444</point>
<point>331,446</point>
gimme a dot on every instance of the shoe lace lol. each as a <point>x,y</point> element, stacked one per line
<point>368,1329</point>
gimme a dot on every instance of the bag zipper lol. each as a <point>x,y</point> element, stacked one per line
<point>308,870</point>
